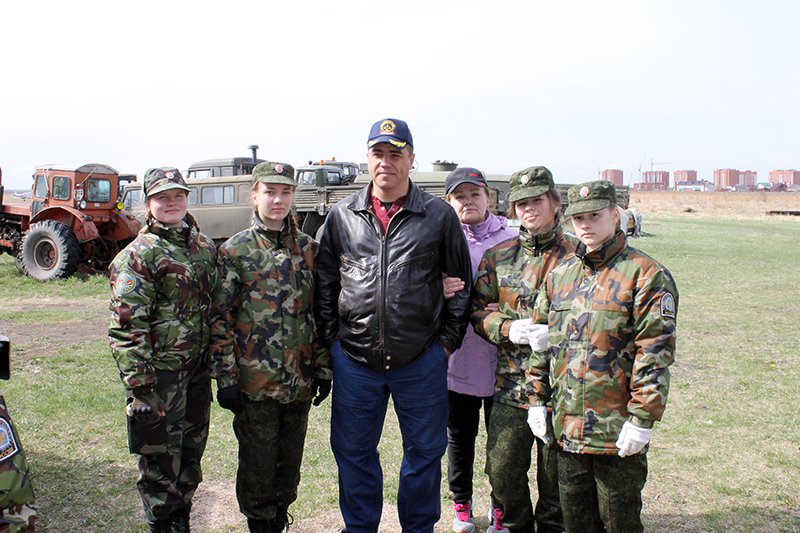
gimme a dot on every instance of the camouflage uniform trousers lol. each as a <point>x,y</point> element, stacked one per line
<point>170,450</point>
<point>602,493</point>
<point>271,437</point>
<point>508,459</point>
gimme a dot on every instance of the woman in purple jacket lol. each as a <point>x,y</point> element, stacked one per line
<point>471,372</point>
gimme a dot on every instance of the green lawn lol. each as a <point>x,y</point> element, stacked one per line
<point>725,458</point>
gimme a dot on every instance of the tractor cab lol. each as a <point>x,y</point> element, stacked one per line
<point>90,189</point>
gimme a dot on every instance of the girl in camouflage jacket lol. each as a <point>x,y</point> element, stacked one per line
<point>510,275</point>
<point>611,314</point>
<point>267,359</point>
<point>161,307</point>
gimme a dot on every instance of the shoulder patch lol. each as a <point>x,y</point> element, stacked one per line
<point>124,283</point>
<point>668,305</point>
<point>8,442</point>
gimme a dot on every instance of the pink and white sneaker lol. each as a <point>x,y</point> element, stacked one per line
<point>495,526</point>
<point>462,523</point>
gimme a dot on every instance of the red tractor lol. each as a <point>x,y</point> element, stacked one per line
<point>74,221</point>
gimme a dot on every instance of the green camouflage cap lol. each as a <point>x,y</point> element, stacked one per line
<point>533,181</point>
<point>278,173</point>
<point>161,179</point>
<point>590,196</point>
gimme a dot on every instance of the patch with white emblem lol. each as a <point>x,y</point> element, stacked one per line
<point>584,192</point>
<point>524,179</point>
<point>8,442</point>
<point>170,175</point>
<point>125,283</point>
<point>278,168</point>
<point>668,305</point>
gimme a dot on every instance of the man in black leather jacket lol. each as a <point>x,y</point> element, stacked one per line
<point>380,306</point>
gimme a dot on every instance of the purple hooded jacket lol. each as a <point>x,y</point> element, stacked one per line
<point>471,368</point>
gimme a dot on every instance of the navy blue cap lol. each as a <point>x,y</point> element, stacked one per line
<point>390,130</point>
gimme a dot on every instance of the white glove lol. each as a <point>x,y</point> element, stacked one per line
<point>537,420</point>
<point>537,337</point>
<point>632,439</point>
<point>519,330</point>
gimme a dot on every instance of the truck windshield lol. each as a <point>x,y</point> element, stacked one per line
<point>307,177</point>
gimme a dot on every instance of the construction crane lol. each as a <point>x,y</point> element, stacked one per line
<point>653,163</point>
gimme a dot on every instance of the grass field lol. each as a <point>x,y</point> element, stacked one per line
<point>725,458</point>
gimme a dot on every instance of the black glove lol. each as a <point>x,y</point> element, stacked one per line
<point>232,398</point>
<point>320,390</point>
<point>145,406</point>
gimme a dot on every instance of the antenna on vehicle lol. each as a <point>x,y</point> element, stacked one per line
<point>254,149</point>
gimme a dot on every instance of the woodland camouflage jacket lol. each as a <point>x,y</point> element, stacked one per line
<point>264,336</point>
<point>161,302</point>
<point>611,316</point>
<point>511,273</point>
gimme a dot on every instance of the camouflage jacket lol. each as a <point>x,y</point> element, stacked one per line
<point>17,505</point>
<point>510,273</point>
<point>611,316</point>
<point>161,287</point>
<point>264,335</point>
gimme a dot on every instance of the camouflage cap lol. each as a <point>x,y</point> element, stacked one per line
<point>277,173</point>
<point>533,181</point>
<point>161,179</point>
<point>590,196</point>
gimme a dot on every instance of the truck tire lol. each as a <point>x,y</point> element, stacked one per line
<point>50,250</point>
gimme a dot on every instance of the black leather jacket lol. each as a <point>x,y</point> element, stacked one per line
<point>381,295</point>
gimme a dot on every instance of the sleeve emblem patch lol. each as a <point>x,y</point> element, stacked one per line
<point>8,443</point>
<point>668,305</point>
<point>125,283</point>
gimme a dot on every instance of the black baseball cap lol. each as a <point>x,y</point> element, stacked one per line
<point>464,175</point>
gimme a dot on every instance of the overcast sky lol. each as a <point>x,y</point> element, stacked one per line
<point>577,86</point>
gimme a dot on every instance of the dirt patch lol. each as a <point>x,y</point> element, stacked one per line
<point>79,321</point>
<point>215,509</point>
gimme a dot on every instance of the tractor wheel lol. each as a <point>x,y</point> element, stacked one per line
<point>50,250</point>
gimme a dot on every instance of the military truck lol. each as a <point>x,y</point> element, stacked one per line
<point>74,221</point>
<point>349,170</point>
<point>230,166</point>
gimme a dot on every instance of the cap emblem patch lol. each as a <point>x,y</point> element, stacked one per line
<point>170,175</point>
<point>388,127</point>
<point>524,179</point>
<point>279,168</point>
<point>584,192</point>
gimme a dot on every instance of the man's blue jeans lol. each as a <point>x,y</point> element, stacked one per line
<point>360,397</point>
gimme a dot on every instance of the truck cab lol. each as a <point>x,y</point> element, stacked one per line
<point>350,171</point>
<point>214,168</point>
<point>320,176</point>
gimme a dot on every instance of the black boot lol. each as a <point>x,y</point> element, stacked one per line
<point>281,522</point>
<point>180,523</point>
<point>160,526</point>
<point>258,526</point>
